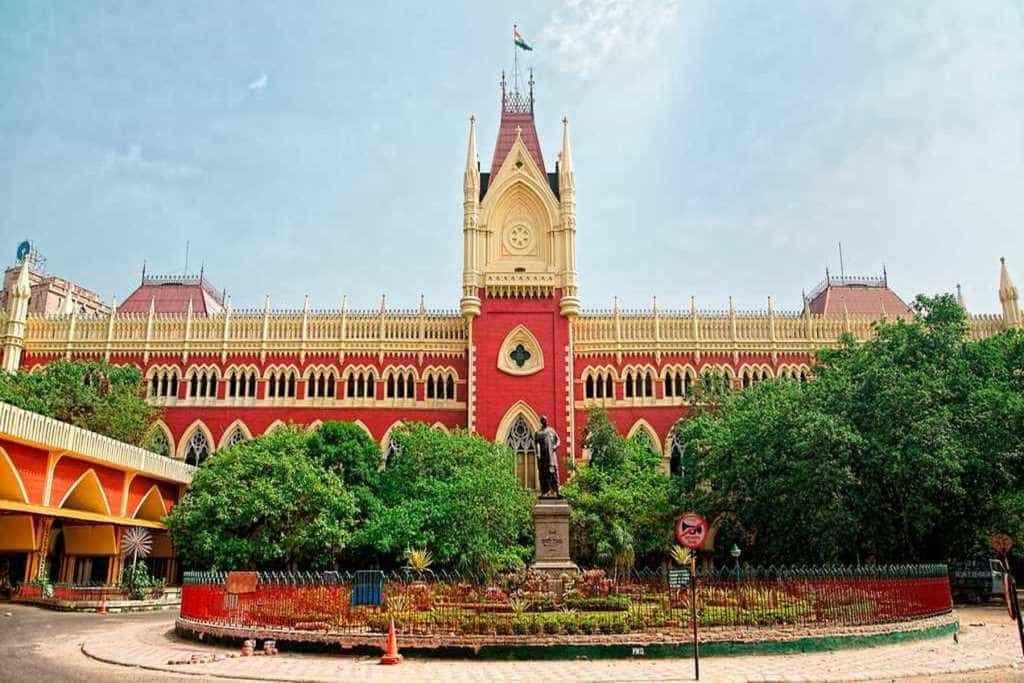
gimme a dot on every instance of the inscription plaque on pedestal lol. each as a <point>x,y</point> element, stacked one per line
<point>551,536</point>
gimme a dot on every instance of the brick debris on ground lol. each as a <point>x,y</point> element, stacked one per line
<point>987,646</point>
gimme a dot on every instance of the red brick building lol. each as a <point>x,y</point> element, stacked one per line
<point>519,346</point>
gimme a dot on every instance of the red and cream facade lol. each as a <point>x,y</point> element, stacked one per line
<point>520,346</point>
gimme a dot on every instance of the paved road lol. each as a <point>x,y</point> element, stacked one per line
<point>40,646</point>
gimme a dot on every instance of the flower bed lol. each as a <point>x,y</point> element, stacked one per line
<point>587,605</point>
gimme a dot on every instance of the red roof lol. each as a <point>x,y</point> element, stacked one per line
<point>858,299</point>
<point>171,294</point>
<point>513,123</point>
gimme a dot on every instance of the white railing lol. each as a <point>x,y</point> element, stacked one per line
<point>54,435</point>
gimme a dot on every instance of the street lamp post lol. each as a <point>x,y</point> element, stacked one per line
<point>735,552</point>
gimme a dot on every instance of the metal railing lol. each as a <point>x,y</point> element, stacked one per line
<point>590,603</point>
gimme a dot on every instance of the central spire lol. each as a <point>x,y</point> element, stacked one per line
<point>516,120</point>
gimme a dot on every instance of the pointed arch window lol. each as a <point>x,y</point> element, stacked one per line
<point>281,383</point>
<point>439,385</point>
<point>164,384</point>
<point>643,439</point>
<point>241,383</point>
<point>159,443</point>
<point>520,436</point>
<point>598,384</point>
<point>198,449</point>
<point>237,436</point>
<point>203,384</point>
<point>360,384</point>
<point>675,461</point>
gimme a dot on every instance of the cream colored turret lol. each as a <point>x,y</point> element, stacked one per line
<point>570,306</point>
<point>1008,297</point>
<point>17,313</point>
<point>470,303</point>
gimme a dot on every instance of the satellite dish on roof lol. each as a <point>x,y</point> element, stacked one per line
<point>24,249</point>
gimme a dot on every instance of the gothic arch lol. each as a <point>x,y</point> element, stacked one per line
<point>282,367</point>
<point>362,425</point>
<point>11,485</point>
<point>325,369</point>
<point>518,408</point>
<point>314,425</point>
<point>652,435</point>
<point>206,367</point>
<point>237,424</point>
<point>87,495</point>
<point>440,427</point>
<point>154,429</point>
<point>152,506</point>
<point>197,425</point>
<point>275,425</point>
<point>385,440</point>
<point>512,186</point>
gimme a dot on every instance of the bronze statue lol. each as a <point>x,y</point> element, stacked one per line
<point>547,442</point>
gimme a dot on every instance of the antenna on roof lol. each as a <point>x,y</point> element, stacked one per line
<point>143,271</point>
<point>842,268</point>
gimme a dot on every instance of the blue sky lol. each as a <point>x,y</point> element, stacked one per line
<point>720,148</point>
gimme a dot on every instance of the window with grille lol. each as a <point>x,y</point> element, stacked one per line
<point>198,449</point>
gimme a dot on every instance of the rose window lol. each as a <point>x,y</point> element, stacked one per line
<point>519,237</point>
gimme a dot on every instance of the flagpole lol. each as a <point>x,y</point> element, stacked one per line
<point>515,59</point>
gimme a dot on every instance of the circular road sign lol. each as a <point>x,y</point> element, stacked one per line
<point>691,530</point>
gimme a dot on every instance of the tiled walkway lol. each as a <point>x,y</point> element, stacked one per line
<point>988,640</point>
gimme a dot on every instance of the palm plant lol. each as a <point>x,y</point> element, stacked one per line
<point>681,555</point>
<point>418,561</point>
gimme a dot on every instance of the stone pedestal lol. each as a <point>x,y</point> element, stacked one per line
<point>551,537</point>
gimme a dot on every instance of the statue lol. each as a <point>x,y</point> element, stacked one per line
<point>547,442</point>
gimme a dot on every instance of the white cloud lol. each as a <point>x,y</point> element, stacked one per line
<point>260,84</point>
<point>591,34</point>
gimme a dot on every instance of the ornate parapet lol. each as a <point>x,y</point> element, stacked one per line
<point>380,332</point>
<point>655,331</point>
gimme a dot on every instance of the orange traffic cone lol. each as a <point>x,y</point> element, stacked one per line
<point>391,655</point>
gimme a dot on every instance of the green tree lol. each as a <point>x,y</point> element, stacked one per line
<point>263,504</point>
<point>346,449</point>
<point>97,396</point>
<point>455,495</point>
<point>908,446</point>
<point>622,501</point>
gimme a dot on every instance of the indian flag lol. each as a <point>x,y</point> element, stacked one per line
<point>520,42</point>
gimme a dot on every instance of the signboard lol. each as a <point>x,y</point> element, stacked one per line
<point>691,530</point>
<point>678,578</point>
<point>241,582</point>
